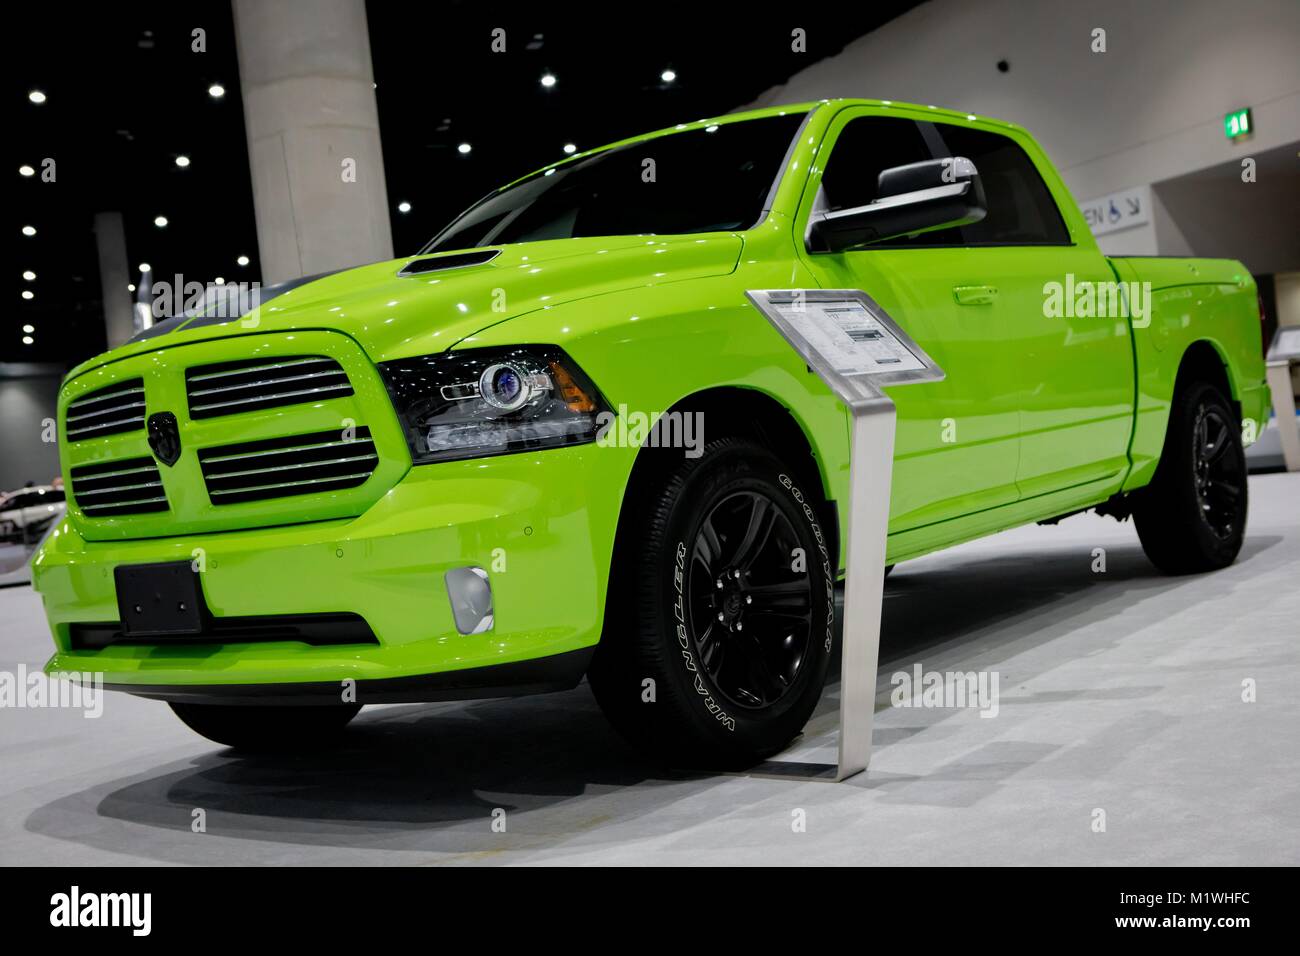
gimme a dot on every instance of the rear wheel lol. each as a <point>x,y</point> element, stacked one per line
<point>267,729</point>
<point>719,621</point>
<point>1192,517</point>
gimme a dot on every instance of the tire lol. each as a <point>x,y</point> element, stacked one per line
<point>721,696</point>
<point>267,729</point>
<point>1192,517</point>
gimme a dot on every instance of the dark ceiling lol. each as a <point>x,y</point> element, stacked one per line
<point>125,94</point>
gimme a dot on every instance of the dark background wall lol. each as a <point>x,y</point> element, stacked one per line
<point>28,393</point>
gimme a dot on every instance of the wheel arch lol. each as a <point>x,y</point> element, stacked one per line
<point>739,411</point>
<point>1204,361</point>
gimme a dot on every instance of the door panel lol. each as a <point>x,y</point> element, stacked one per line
<point>1077,382</point>
<point>957,441</point>
<point>1074,374</point>
<point>956,445</point>
<point>1033,401</point>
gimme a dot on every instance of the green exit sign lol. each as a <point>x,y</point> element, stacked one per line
<point>1237,123</point>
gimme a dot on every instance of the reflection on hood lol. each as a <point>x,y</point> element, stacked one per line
<point>225,303</point>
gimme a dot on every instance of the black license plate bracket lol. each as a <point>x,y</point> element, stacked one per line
<point>159,600</point>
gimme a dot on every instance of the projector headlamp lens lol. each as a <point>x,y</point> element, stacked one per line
<point>469,403</point>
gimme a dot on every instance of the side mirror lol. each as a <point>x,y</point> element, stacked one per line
<point>919,197</point>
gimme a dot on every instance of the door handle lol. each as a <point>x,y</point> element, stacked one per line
<point>975,294</point>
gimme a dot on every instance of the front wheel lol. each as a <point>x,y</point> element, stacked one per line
<point>267,729</point>
<point>719,622</point>
<point>1192,517</point>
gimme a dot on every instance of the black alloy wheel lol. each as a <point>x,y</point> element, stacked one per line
<point>1192,516</point>
<point>750,613</point>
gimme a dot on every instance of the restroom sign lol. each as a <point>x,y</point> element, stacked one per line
<point>1118,211</point>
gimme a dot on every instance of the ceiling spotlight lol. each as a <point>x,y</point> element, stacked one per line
<point>28,294</point>
<point>242,260</point>
<point>182,161</point>
<point>570,148</point>
<point>463,148</point>
<point>26,170</point>
<point>29,230</point>
<point>130,287</point>
<point>216,91</point>
<point>144,267</point>
<point>36,96</point>
<point>548,80</point>
<point>29,329</point>
<point>220,280</point>
<point>29,275</point>
<point>160,221</point>
<point>711,129</point>
<point>403,207</point>
<point>668,76</point>
<point>27,340</point>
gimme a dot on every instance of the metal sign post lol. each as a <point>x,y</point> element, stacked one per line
<point>849,341</point>
<point>1283,353</point>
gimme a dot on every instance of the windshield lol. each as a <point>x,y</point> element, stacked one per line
<point>715,179</point>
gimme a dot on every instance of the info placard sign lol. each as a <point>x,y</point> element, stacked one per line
<point>857,349</point>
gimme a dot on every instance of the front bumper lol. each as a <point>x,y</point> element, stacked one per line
<point>542,524</point>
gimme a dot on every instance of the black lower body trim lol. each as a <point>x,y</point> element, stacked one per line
<point>318,630</point>
<point>538,676</point>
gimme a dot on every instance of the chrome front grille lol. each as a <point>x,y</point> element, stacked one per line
<point>232,388</point>
<point>130,486</point>
<point>107,411</point>
<point>293,465</point>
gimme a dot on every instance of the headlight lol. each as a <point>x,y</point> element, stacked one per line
<point>478,402</point>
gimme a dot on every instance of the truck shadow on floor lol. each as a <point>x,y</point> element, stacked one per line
<point>428,778</point>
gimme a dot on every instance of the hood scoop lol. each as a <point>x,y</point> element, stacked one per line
<point>456,260</point>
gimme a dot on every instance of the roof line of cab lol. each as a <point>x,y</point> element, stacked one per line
<point>726,118</point>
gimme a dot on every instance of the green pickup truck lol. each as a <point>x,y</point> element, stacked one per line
<point>560,441</point>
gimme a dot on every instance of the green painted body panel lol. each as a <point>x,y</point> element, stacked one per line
<point>1194,300</point>
<point>1030,405</point>
<point>1037,417</point>
<point>163,372</point>
<point>387,565</point>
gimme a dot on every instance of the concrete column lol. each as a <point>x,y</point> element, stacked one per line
<point>110,238</point>
<point>313,135</point>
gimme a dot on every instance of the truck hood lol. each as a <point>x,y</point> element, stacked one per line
<point>393,311</point>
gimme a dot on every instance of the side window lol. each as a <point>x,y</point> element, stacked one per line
<point>865,147</point>
<point>1022,211</point>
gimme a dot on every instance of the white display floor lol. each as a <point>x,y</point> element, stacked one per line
<point>1118,692</point>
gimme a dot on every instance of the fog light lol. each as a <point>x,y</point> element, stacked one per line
<point>471,599</point>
